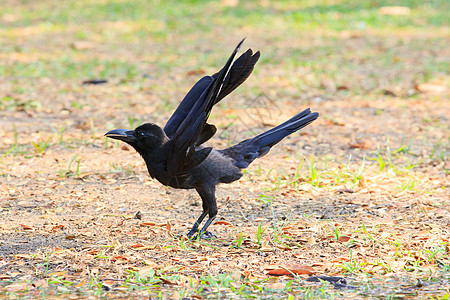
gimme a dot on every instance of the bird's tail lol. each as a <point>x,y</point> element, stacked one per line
<point>247,151</point>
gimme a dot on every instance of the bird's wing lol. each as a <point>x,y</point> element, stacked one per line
<point>234,77</point>
<point>185,127</point>
<point>239,72</point>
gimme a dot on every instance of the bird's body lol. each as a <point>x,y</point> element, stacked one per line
<point>175,155</point>
<point>216,168</point>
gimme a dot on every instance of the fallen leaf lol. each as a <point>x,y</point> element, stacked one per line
<point>25,256</point>
<point>395,10</point>
<point>196,72</point>
<point>146,271</point>
<point>26,227</point>
<point>343,239</point>
<point>276,285</point>
<point>118,257</point>
<point>147,224</point>
<point>229,3</point>
<point>59,273</point>
<point>223,223</point>
<point>342,191</point>
<point>360,145</point>
<point>80,284</point>
<point>292,269</point>
<point>430,88</point>
<point>41,283</point>
<point>16,287</point>
<point>328,84</point>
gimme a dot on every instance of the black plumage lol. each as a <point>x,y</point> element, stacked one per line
<point>175,155</point>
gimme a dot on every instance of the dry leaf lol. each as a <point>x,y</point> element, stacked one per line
<point>59,273</point>
<point>343,239</point>
<point>292,269</point>
<point>41,283</point>
<point>26,227</point>
<point>328,84</point>
<point>430,88</point>
<point>148,224</point>
<point>223,223</point>
<point>80,284</point>
<point>360,145</point>
<point>395,10</point>
<point>229,3</point>
<point>19,286</point>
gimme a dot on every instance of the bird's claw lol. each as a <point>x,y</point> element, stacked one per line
<point>203,235</point>
<point>208,235</point>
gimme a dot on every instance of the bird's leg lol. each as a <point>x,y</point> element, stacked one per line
<point>209,207</point>
<point>207,234</point>
<point>197,223</point>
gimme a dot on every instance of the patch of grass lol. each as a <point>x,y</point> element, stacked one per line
<point>11,103</point>
<point>352,266</point>
<point>68,172</point>
<point>259,233</point>
<point>116,168</point>
<point>41,145</point>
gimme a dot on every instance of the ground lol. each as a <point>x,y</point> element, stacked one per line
<point>361,193</point>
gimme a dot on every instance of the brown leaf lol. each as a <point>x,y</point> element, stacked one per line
<point>328,84</point>
<point>196,72</point>
<point>59,273</point>
<point>25,256</point>
<point>167,281</point>
<point>148,247</point>
<point>292,269</point>
<point>41,283</point>
<point>343,239</point>
<point>56,228</point>
<point>342,88</point>
<point>360,145</point>
<point>395,10</point>
<point>148,224</point>
<point>342,191</point>
<point>80,284</point>
<point>26,227</point>
<point>118,257</point>
<point>229,3</point>
<point>430,88</point>
<point>19,286</point>
<point>83,45</point>
<point>223,223</point>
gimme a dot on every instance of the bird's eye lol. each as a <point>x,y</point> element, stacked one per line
<point>141,134</point>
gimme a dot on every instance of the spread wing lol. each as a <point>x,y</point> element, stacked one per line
<point>188,124</point>
<point>237,74</point>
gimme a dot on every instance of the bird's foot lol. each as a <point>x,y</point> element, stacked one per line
<point>207,235</point>
<point>203,235</point>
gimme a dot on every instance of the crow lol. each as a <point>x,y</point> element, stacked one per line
<point>175,155</point>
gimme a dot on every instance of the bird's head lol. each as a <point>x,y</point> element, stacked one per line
<point>144,138</point>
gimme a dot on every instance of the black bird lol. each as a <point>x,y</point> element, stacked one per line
<point>175,155</point>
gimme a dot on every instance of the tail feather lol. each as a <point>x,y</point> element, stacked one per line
<point>247,151</point>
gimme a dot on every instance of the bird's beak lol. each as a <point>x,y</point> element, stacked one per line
<point>121,134</point>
